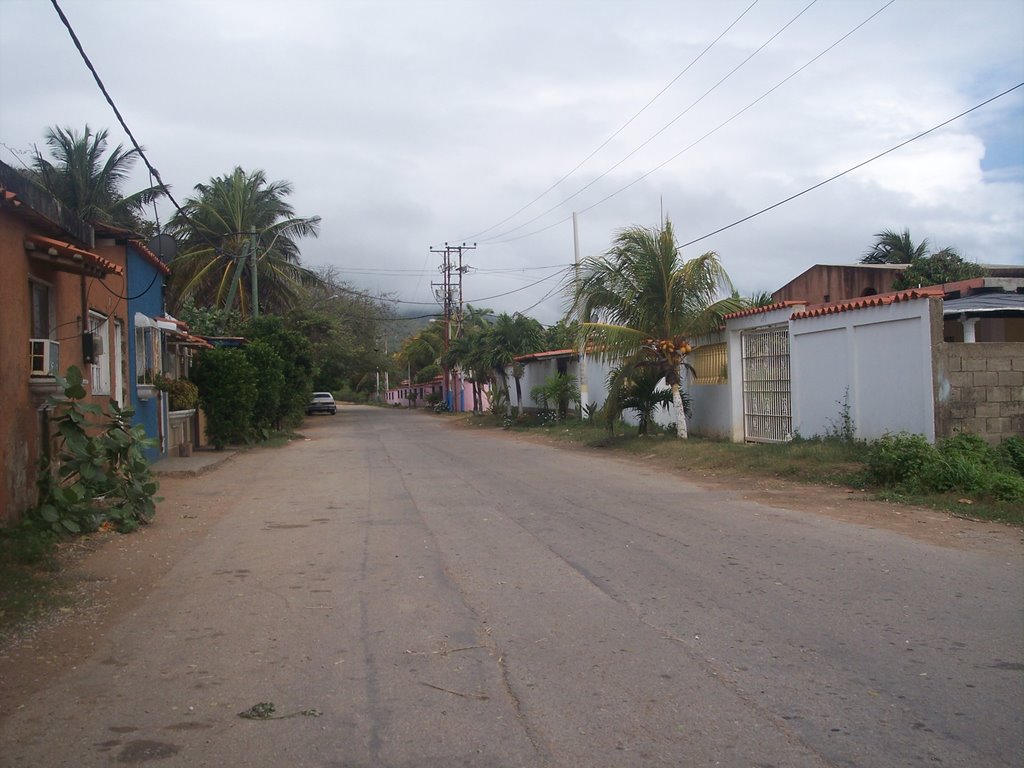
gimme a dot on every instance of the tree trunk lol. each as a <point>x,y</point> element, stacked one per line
<point>519,396</point>
<point>677,401</point>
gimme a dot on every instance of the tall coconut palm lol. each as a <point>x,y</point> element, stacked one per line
<point>642,305</point>
<point>892,247</point>
<point>87,179</point>
<point>235,224</point>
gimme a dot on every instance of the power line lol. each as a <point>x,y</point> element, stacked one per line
<point>117,113</point>
<point>667,125</point>
<point>707,135</point>
<point>853,168</point>
<point>621,128</point>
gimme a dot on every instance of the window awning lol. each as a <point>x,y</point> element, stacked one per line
<point>70,258</point>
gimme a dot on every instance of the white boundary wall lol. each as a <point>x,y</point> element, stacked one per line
<point>876,359</point>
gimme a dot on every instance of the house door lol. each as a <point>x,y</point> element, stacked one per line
<point>767,404</point>
<point>99,373</point>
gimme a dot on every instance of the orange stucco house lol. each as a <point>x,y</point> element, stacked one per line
<point>61,304</point>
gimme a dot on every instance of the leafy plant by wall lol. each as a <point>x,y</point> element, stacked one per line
<point>228,388</point>
<point>99,471</point>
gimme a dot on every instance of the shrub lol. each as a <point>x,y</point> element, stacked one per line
<point>227,391</point>
<point>296,354</point>
<point>1006,486</point>
<point>266,408</point>
<point>182,395</point>
<point>970,447</point>
<point>900,458</point>
<point>950,470</point>
<point>1011,451</point>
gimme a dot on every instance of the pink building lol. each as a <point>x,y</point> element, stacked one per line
<point>425,394</point>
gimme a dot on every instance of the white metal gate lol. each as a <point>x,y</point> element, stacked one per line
<point>767,404</point>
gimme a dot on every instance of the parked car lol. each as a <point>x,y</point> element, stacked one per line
<point>321,402</point>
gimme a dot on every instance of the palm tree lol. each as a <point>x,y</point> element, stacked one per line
<point>636,388</point>
<point>233,225</point>
<point>88,183</point>
<point>642,305</point>
<point>467,351</point>
<point>422,351</point>
<point>926,267</point>
<point>893,247</point>
<point>510,337</point>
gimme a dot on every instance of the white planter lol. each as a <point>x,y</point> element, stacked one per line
<point>145,391</point>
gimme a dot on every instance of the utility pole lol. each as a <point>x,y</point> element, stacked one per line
<point>581,353</point>
<point>449,293</point>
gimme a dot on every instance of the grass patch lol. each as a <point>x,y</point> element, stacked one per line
<point>831,462</point>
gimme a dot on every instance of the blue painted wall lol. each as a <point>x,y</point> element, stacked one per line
<point>145,295</point>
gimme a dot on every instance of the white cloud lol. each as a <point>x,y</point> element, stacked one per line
<point>404,124</point>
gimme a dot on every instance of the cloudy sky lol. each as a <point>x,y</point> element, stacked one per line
<point>405,124</point>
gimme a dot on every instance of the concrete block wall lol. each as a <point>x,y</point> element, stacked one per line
<point>980,389</point>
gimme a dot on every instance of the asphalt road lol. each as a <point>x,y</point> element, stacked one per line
<point>416,596</point>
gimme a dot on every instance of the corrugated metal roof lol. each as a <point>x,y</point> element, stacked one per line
<point>985,302</point>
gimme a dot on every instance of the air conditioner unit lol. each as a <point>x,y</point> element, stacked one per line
<point>44,355</point>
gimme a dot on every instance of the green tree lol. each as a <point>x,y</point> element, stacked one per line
<point>467,351</point>
<point>348,332</point>
<point>509,337</point>
<point>422,350</point>
<point>945,266</point>
<point>926,267</point>
<point>87,179</point>
<point>298,366</point>
<point>228,387</point>
<point>234,225</point>
<point>266,408</point>
<point>562,335</point>
<point>642,305</point>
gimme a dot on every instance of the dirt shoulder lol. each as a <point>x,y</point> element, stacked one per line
<point>108,574</point>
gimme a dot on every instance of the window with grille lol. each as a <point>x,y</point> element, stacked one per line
<point>710,364</point>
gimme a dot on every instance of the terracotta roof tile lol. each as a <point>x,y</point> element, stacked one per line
<point>149,256</point>
<point>878,300</point>
<point>67,250</point>
<point>762,310</point>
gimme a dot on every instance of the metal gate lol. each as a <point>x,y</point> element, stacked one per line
<point>767,404</point>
